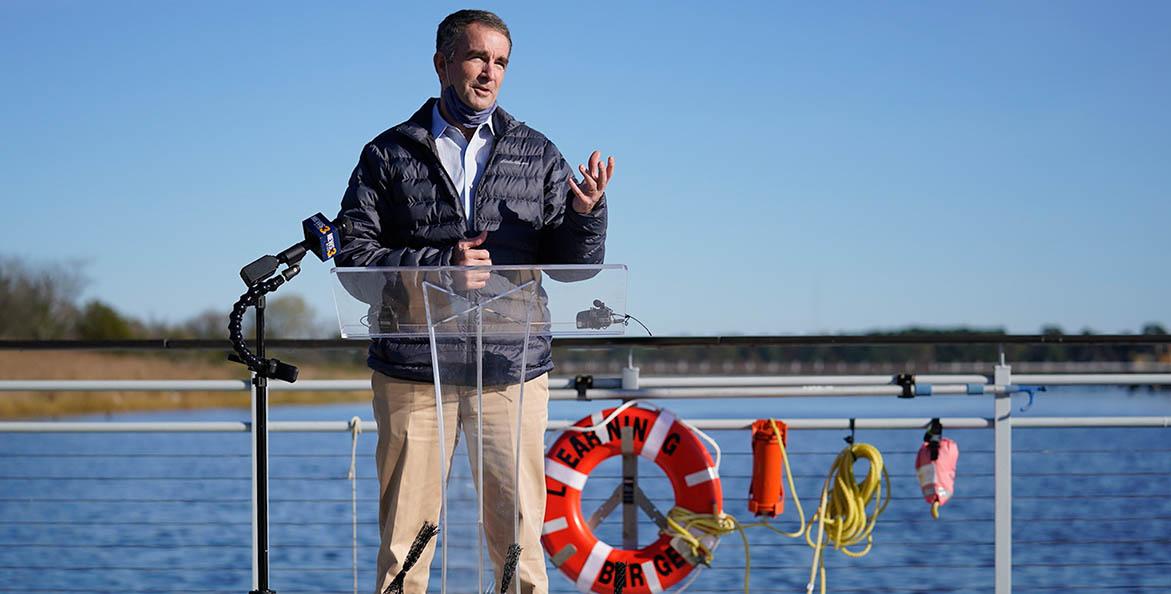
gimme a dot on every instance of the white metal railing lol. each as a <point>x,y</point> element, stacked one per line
<point>1001,386</point>
<point>648,387</point>
<point>558,425</point>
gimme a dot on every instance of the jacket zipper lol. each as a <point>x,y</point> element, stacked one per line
<point>454,192</point>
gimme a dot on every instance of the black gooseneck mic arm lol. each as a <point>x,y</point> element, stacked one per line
<point>323,238</point>
<point>263,368</point>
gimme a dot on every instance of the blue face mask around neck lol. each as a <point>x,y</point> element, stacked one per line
<point>464,115</point>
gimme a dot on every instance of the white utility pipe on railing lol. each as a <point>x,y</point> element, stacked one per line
<point>602,384</point>
<point>558,425</point>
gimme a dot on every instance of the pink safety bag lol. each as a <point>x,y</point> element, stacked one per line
<point>935,466</point>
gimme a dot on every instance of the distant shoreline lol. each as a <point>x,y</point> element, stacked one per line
<point>73,365</point>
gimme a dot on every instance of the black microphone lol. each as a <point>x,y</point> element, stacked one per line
<point>322,237</point>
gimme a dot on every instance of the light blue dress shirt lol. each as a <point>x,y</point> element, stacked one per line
<point>464,160</point>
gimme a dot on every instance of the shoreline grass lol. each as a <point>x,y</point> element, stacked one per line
<point>77,365</point>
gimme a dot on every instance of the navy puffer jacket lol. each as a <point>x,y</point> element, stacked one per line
<point>406,212</point>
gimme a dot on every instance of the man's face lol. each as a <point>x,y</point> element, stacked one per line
<point>476,67</point>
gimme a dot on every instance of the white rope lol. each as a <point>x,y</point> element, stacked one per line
<point>355,431</point>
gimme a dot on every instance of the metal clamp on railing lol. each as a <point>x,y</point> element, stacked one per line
<point>933,436</point>
<point>907,381</point>
<point>582,383</point>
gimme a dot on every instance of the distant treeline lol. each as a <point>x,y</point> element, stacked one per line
<point>41,303</point>
<point>896,353</point>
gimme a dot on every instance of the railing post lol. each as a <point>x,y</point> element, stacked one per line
<point>255,505</point>
<point>1002,472</point>
<point>629,484</point>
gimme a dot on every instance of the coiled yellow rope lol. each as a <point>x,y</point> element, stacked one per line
<point>841,517</point>
<point>682,520</point>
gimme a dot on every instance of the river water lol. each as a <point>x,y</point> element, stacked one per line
<point>170,512</point>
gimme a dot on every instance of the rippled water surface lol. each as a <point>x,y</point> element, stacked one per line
<point>107,512</point>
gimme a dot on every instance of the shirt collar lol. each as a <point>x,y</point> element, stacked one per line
<point>439,124</point>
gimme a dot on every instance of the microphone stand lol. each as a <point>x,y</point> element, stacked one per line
<point>262,370</point>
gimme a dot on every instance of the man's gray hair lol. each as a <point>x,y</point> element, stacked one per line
<point>453,26</point>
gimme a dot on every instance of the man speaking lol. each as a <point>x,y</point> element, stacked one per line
<point>464,183</point>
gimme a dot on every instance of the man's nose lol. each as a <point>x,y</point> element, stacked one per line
<point>487,72</point>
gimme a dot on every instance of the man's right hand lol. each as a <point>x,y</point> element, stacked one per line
<point>466,254</point>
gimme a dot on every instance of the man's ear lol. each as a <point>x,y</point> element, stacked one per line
<point>441,68</point>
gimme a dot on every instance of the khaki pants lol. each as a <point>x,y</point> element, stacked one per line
<point>408,473</point>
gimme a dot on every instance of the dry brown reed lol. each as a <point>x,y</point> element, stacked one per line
<point>76,365</point>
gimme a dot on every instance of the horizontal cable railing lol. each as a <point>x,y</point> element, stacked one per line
<point>100,518</point>
<point>166,505</point>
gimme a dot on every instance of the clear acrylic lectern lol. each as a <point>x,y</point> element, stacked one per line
<point>484,327</point>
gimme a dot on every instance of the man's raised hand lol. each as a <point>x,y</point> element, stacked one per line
<point>593,184</point>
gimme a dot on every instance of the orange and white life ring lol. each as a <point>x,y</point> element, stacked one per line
<point>659,437</point>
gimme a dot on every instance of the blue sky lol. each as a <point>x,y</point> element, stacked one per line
<point>782,168</point>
